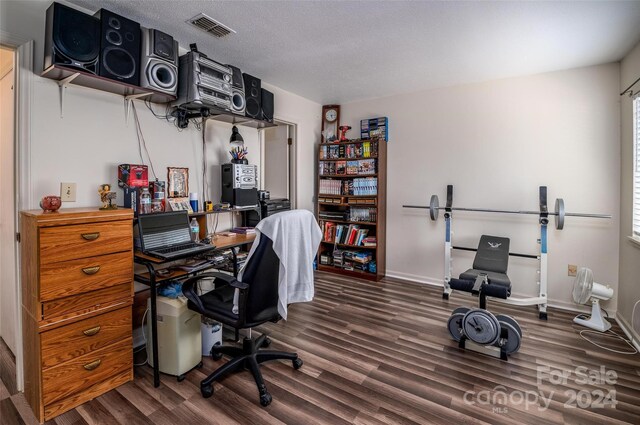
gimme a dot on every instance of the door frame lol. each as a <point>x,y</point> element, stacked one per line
<point>23,95</point>
<point>293,159</point>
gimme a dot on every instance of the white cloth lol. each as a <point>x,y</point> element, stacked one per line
<point>296,237</point>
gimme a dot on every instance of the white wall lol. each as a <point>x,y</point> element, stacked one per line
<point>629,288</point>
<point>92,139</point>
<point>496,142</point>
<point>8,308</point>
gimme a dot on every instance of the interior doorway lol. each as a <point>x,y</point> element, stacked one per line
<point>279,164</point>
<point>8,220</point>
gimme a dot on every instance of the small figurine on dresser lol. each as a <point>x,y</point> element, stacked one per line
<point>107,197</point>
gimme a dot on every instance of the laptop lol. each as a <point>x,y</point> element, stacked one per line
<point>168,236</point>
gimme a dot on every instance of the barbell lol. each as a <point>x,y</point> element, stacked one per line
<point>559,213</point>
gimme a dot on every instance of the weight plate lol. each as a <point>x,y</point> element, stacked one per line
<point>514,333</point>
<point>434,204</point>
<point>508,319</point>
<point>454,324</point>
<point>462,310</point>
<point>481,327</point>
<point>559,213</point>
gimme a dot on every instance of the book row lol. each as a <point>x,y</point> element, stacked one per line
<point>359,167</point>
<point>347,234</point>
<point>348,151</point>
<point>357,187</point>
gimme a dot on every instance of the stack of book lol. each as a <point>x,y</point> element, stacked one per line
<point>244,230</point>
<point>369,241</point>
<point>363,214</point>
<point>374,128</point>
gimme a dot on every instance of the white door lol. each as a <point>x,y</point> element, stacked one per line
<point>276,161</point>
<point>8,308</point>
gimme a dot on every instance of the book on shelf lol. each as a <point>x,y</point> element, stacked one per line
<point>354,150</point>
<point>375,128</point>
<point>369,241</point>
<point>244,230</point>
<point>329,230</point>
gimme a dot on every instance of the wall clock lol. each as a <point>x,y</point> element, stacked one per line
<point>330,122</point>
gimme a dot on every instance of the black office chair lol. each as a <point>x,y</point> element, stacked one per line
<point>257,304</point>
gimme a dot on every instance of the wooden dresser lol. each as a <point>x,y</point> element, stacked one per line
<point>77,292</point>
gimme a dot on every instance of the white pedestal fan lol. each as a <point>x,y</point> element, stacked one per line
<point>584,289</point>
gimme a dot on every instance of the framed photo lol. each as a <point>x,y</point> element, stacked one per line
<point>178,182</point>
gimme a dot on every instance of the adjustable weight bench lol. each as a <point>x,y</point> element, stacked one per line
<point>488,276</point>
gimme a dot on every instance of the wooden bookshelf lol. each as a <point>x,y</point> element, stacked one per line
<point>343,203</point>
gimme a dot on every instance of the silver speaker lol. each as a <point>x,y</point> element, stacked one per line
<point>238,102</point>
<point>159,62</point>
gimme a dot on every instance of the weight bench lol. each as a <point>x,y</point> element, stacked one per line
<point>488,277</point>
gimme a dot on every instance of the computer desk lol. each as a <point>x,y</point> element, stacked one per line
<point>153,280</point>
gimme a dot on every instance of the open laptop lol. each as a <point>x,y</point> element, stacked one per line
<point>167,236</point>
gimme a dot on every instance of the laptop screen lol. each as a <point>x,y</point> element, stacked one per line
<point>163,229</point>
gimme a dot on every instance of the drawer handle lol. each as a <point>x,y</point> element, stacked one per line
<point>91,270</point>
<point>90,236</point>
<point>92,331</point>
<point>94,364</point>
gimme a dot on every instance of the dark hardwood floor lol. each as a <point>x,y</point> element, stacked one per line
<point>380,353</point>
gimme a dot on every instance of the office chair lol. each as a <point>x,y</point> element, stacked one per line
<point>257,304</point>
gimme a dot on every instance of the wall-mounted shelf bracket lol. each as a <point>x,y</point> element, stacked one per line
<point>63,84</point>
<point>127,103</point>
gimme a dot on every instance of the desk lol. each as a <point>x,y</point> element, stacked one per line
<point>153,280</point>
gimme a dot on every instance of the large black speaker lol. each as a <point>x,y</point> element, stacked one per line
<point>119,47</point>
<point>253,95</point>
<point>72,39</point>
<point>266,103</point>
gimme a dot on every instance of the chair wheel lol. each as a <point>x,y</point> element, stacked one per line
<point>266,342</point>
<point>265,399</point>
<point>207,391</point>
<point>297,363</point>
<point>445,296</point>
<point>181,378</point>
<point>542,316</point>
<point>215,355</point>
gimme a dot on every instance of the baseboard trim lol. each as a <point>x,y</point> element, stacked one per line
<point>559,304</point>
<point>628,331</point>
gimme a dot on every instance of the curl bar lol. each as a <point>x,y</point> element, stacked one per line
<point>559,213</point>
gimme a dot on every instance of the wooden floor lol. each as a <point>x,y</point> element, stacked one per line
<point>377,353</point>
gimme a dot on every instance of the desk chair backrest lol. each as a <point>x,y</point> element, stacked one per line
<point>261,274</point>
<point>492,254</point>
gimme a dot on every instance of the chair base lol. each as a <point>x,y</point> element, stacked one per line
<point>248,357</point>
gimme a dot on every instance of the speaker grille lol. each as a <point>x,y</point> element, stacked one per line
<point>210,25</point>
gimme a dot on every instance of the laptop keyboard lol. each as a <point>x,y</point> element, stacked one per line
<point>175,248</point>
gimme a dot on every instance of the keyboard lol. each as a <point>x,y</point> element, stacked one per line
<point>180,250</point>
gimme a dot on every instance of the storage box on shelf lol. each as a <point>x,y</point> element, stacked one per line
<point>352,207</point>
<point>77,292</point>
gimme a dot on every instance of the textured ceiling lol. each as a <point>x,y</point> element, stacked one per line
<point>337,52</point>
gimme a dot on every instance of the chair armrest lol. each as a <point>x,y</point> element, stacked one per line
<point>189,291</point>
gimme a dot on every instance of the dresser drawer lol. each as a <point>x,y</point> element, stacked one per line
<point>85,371</point>
<point>74,277</point>
<point>80,304</point>
<point>79,338</point>
<point>71,242</point>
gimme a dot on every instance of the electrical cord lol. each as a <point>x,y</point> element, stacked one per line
<point>613,335</point>
<point>141,141</point>
<point>144,337</point>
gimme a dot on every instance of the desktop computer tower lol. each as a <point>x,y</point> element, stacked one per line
<point>179,336</point>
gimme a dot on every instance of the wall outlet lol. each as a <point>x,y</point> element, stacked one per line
<point>572,270</point>
<point>68,192</point>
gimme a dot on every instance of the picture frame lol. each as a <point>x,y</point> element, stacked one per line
<point>177,182</point>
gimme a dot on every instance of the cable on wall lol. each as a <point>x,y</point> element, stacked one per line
<point>628,89</point>
<point>141,141</point>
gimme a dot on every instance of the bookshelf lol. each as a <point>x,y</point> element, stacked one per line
<point>351,207</point>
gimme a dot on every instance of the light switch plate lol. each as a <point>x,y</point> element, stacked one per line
<point>68,192</point>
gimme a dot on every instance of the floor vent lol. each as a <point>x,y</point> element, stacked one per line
<point>210,25</point>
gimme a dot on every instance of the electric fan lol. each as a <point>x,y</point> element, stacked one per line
<point>584,289</point>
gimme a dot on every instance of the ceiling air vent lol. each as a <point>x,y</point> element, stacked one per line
<point>210,25</point>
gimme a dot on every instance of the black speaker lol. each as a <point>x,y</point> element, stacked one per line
<point>238,103</point>
<point>267,105</point>
<point>72,39</point>
<point>253,95</point>
<point>119,48</point>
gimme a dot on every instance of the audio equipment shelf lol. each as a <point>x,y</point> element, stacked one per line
<point>71,76</point>
<point>347,204</point>
<point>232,118</point>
